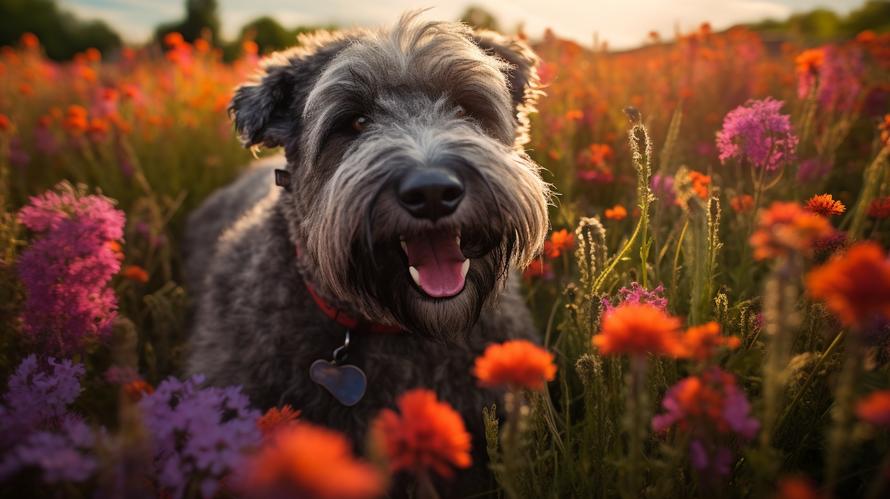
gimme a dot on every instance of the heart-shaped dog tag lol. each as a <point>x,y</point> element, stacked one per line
<point>346,383</point>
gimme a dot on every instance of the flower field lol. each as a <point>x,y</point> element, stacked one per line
<point>713,301</point>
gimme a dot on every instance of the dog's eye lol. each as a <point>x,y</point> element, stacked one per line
<point>359,124</point>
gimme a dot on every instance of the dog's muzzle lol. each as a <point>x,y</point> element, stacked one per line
<point>435,261</point>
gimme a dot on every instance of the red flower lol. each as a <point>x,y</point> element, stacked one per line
<point>855,286</point>
<point>742,203</point>
<point>700,342</point>
<point>787,227</point>
<point>616,212</point>
<point>875,408</point>
<point>424,435</point>
<point>515,364</point>
<point>135,273</point>
<point>879,208</point>
<point>559,242</point>
<point>276,419</point>
<point>304,460</point>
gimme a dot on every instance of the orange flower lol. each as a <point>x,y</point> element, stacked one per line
<point>137,388</point>
<point>875,408</point>
<point>560,241</point>
<point>599,154</point>
<point>574,115</point>
<point>796,487</point>
<point>809,61</point>
<point>855,286</point>
<point>515,364</point>
<point>305,460</point>
<point>5,123</point>
<point>173,39</point>
<point>428,434</point>
<point>76,119</point>
<point>93,55</point>
<point>616,212</point>
<point>250,47</point>
<point>135,273</point>
<point>639,329</point>
<point>700,342</point>
<point>787,227</point>
<point>700,183</point>
<point>884,128</point>
<point>275,419</point>
<point>538,268</point>
<point>742,203</point>
<point>825,205</point>
<point>30,41</point>
<point>26,89</point>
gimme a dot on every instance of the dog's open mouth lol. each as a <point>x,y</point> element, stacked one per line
<point>436,263</point>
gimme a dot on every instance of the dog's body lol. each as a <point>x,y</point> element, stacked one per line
<point>411,215</point>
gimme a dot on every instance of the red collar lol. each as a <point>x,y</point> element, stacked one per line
<point>346,321</point>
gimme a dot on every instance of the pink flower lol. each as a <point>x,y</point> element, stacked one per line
<point>66,270</point>
<point>759,134</point>
<point>636,295</point>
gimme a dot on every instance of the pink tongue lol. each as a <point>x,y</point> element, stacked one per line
<point>436,256</point>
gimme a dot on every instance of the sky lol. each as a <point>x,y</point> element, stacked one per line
<point>622,23</point>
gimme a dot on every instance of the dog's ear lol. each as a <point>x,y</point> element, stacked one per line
<point>266,110</point>
<point>522,70</point>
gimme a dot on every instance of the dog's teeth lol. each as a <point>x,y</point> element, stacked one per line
<point>414,275</point>
<point>465,268</point>
<point>404,246</point>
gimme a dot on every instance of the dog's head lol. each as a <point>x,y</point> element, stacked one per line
<point>410,193</point>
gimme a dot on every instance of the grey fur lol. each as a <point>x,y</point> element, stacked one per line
<point>255,323</point>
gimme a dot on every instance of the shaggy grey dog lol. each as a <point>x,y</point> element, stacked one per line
<point>407,201</point>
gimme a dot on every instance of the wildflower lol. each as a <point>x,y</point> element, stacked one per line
<point>197,432</point>
<point>304,460</point>
<point>574,115</point>
<point>812,169</point>
<point>249,47</point>
<point>538,268</point>
<point>797,487</point>
<point>616,212</point>
<point>879,208</point>
<point>700,183</point>
<point>66,270</point>
<point>758,134</point>
<point>831,75</point>
<point>76,119</point>
<point>173,39</point>
<point>700,342</point>
<point>5,123</point>
<point>808,64</point>
<point>599,154</point>
<point>516,364</point>
<point>38,394</point>
<point>135,273</point>
<point>713,410</point>
<point>425,435</point>
<point>855,286</point>
<point>875,408</point>
<point>30,41</point>
<point>741,203</point>
<point>61,456</point>
<point>825,205</point>
<point>559,242</point>
<point>637,294</point>
<point>136,389</point>
<point>639,329</point>
<point>663,188</point>
<point>275,419</point>
<point>884,129</point>
<point>785,228</point>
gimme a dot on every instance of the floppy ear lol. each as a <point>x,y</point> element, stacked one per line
<point>521,72</point>
<point>267,110</point>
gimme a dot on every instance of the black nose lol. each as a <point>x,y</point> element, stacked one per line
<point>430,193</point>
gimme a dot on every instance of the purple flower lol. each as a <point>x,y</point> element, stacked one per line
<point>18,156</point>
<point>66,270</point>
<point>37,397</point>
<point>716,461</point>
<point>198,432</point>
<point>637,294</point>
<point>63,455</point>
<point>812,169</point>
<point>759,134</point>
<point>663,187</point>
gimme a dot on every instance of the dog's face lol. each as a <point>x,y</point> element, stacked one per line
<point>410,193</point>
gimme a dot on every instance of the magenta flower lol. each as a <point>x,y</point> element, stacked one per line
<point>637,294</point>
<point>66,270</point>
<point>836,79</point>
<point>714,412</point>
<point>757,133</point>
<point>663,188</point>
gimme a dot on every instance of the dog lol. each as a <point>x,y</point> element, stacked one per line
<point>390,244</point>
